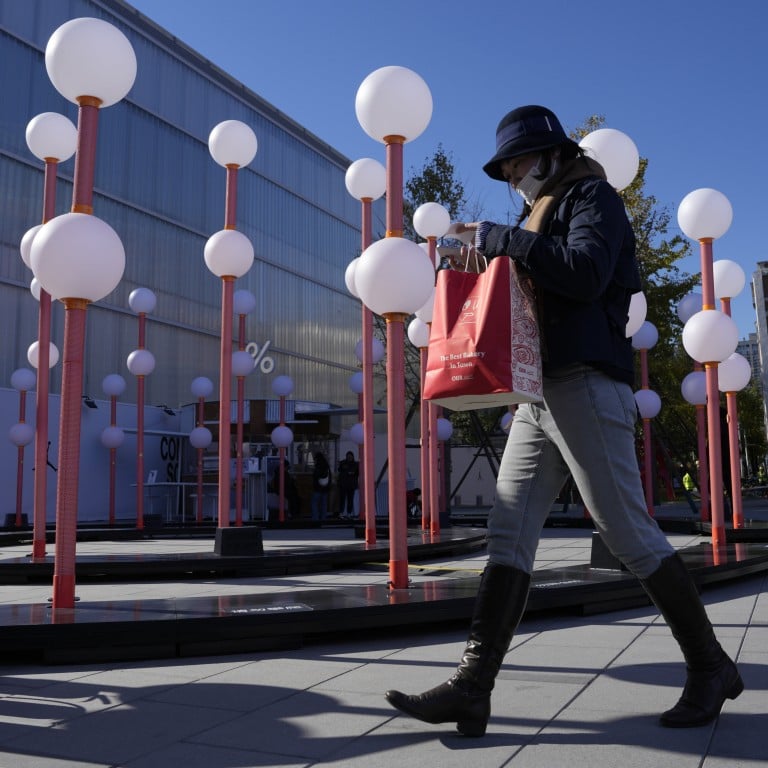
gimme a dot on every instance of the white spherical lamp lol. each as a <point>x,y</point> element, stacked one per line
<point>51,136</point>
<point>377,350</point>
<point>357,433</point>
<point>506,421</point>
<point>113,385</point>
<point>646,336</point>
<point>688,306</point>
<point>282,386</point>
<point>733,373</point>
<point>648,403</point>
<point>418,333</point>
<point>349,277</point>
<point>427,309</point>
<point>21,434</point>
<point>616,152</point>
<point>431,220</point>
<point>242,363</point>
<point>356,382</point>
<point>112,437</point>
<point>23,379</point>
<point>232,143</point>
<point>281,436</point>
<point>90,57</point>
<point>200,437</point>
<point>444,429</point>
<point>141,362</point>
<point>26,244</point>
<point>77,256</point>
<point>228,253</point>
<point>704,214</point>
<point>33,354</point>
<point>243,302</point>
<point>394,276</point>
<point>393,101</point>
<point>729,278</point>
<point>366,179</point>
<point>638,308</point>
<point>35,288</point>
<point>201,386</point>
<point>710,336</point>
<point>694,388</point>
<point>142,301</point>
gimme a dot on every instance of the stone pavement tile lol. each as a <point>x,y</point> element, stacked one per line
<point>117,735</point>
<point>258,684</point>
<point>186,755</point>
<point>21,760</point>
<point>312,724</point>
<point>410,744</point>
<point>603,739</point>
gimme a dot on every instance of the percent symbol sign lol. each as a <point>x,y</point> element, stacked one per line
<point>266,363</point>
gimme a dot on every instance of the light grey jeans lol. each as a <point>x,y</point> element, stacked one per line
<point>586,426</point>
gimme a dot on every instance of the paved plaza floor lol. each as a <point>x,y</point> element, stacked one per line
<point>573,690</point>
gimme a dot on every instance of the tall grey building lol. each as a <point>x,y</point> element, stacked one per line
<point>158,187</point>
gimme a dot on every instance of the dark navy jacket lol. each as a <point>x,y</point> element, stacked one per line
<point>584,270</point>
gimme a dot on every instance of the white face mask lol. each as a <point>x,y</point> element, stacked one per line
<point>530,185</point>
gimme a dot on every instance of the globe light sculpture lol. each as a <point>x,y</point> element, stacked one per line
<point>200,437</point>
<point>709,336</point>
<point>282,436</point>
<point>394,105</point>
<point>648,403</point>
<point>229,255</point>
<point>243,303</point>
<point>52,138</point>
<point>694,391</point>
<point>112,437</point>
<point>616,152</point>
<point>733,375</point>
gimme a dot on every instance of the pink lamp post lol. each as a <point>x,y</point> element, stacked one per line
<point>229,255</point>
<point>418,334</point>
<point>394,105</point>
<point>200,437</point>
<point>33,357</point>
<point>141,363</point>
<point>112,437</point>
<point>733,375</point>
<point>76,257</point>
<point>368,355</point>
<point>366,181</point>
<point>694,389</point>
<point>431,221</point>
<point>729,280</point>
<point>282,437</point>
<point>648,403</point>
<point>356,384</point>
<point>243,303</point>
<point>52,138</point>
<point>21,434</point>
<point>709,336</point>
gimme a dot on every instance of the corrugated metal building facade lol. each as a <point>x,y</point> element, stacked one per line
<point>158,187</point>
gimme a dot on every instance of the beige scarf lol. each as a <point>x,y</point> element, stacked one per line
<point>555,189</point>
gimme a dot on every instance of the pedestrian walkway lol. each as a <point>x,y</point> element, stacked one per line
<point>573,690</point>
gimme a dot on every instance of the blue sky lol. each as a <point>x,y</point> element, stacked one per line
<point>686,79</point>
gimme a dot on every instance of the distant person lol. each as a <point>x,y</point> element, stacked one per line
<point>574,241</point>
<point>349,472</point>
<point>321,487</point>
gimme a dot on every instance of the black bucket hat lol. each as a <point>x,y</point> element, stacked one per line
<point>523,130</point>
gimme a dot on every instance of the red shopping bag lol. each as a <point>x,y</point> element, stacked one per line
<point>484,341</point>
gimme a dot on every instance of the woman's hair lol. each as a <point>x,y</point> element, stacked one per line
<point>565,153</point>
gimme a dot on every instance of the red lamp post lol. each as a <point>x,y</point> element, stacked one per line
<point>229,255</point>
<point>76,257</point>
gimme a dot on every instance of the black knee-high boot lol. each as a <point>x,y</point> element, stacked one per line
<point>712,676</point>
<point>465,699</point>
